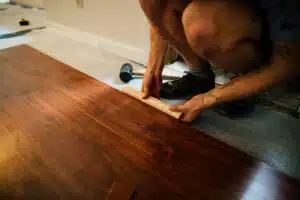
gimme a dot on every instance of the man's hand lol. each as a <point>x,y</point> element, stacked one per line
<point>195,106</point>
<point>153,79</point>
<point>151,84</point>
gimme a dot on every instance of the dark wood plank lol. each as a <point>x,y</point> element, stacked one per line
<point>121,190</point>
<point>65,135</point>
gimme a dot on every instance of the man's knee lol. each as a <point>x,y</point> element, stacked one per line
<point>197,20</point>
<point>225,22</point>
<point>153,9</point>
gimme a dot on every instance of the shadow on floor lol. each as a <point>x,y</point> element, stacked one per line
<point>268,135</point>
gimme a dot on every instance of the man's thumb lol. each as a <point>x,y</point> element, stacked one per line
<point>177,108</point>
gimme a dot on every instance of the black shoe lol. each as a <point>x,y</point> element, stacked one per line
<point>189,85</point>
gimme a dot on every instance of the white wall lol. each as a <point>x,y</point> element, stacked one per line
<point>35,3</point>
<point>119,21</point>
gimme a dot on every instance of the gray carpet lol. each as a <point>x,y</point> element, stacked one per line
<point>268,135</point>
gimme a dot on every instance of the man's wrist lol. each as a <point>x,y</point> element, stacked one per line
<point>212,98</point>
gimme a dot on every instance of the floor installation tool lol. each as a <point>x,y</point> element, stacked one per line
<point>20,33</point>
<point>127,74</point>
<point>156,103</point>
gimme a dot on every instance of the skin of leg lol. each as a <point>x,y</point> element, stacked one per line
<point>165,16</point>
<point>219,32</point>
<point>171,55</point>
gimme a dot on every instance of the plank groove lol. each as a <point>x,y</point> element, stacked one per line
<point>65,135</point>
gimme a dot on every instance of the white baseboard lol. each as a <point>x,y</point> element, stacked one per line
<point>117,48</point>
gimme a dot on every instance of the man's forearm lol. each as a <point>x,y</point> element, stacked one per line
<point>158,51</point>
<point>283,67</point>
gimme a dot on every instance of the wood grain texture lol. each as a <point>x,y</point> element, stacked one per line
<point>64,135</point>
<point>121,190</point>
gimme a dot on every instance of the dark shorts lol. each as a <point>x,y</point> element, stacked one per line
<point>283,18</point>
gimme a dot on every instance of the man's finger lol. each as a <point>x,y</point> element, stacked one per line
<point>185,114</point>
<point>158,81</point>
<point>181,116</point>
<point>187,118</point>
<point>178,108</point>
<point>153,92</point>
<point>157,93</point>
<point>145,93</point>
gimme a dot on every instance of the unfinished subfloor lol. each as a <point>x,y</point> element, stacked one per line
<point>266,134</point>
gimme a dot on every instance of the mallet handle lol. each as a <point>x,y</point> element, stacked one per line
<point>163,76</point>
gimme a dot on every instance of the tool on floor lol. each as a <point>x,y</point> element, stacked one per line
<point>156,103</point>
<point>3,9</point>
<point>24,22</point>
<point>127,74</point>
<point>20,33</point>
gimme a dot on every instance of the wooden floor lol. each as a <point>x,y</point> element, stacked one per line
<point>64,135</point>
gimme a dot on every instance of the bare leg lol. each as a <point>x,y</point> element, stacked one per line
<point>166,18</point>
<point>172,55</point>
<point>206,30</point>
<point>223,32</point>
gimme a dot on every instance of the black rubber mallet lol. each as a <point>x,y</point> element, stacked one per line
<point>127,74</point>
